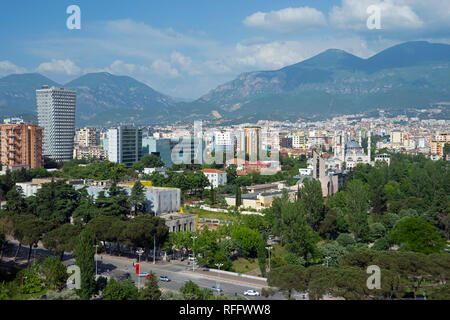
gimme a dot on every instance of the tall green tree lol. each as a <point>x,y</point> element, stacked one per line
<point>311,196</point>
<point>55,273</point>
<point>238,196</point>
<point>357,207</point>
<point>151,290</point>
<point>85,261</point>
<point>137,198</point>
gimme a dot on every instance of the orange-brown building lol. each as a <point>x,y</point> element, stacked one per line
<point>21,144</point>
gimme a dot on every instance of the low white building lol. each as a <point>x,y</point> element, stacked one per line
<point>216,177</point>
<point>150,171</point>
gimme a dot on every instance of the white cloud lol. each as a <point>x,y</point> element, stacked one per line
<point>184,63</point>
<point>7,67</point>
<point>287,20</point>
<point>67,67</point>
<point>396,15</point>
<point>272,55</point>
<point>164,68</point>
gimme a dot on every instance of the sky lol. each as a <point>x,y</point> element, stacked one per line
<point>187,48</point>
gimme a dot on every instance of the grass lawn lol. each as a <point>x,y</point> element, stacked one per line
<point>243,265</point>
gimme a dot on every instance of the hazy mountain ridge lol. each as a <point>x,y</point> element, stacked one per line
<point>412,74</point>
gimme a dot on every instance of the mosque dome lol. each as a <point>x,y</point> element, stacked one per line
<point>352,145</point>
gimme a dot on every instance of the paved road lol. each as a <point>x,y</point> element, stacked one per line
<point>119,267</point>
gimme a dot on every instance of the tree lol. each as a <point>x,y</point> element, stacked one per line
<point>62,239</point>
<point>29,279</point>
<point>376,230</point>
<point>15,201</point>
<point>55,201</point>
<point>262,256</point>
<point>298,236</point>
<point>288,278</point>
<point>151,290</point>
<point>417,235</point>
<point>248,238</point>
<point>120,291</point>
<point>148,161</point>
<point>345,240</point>
<point>192,291</point>
<point>311,196</point>
<point>238,196</point>
<point>331,253</point>
<point>137,198</point>
<point>86,211</point>
<point>85,260</point>
<point>357,207</point>
<point>231,173</point>
<point>55,273</point>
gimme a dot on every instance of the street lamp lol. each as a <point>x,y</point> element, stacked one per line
<point>327,258</point>
<point>139,252</point>
<point>218,265</point>
<point>193,250</point>
<point>269,248</point>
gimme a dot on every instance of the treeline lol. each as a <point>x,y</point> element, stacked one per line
<point>400,273</point>
<point>58,212</point>
<point>403,207</point>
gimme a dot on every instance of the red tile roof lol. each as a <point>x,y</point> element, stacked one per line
<point>212,171</point>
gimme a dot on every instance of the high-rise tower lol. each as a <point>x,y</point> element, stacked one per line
<point>56,114</point>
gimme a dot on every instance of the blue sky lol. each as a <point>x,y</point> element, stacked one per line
<point>186,48</point>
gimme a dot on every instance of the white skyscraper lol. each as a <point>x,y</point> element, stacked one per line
<point>56,114</point>
<point>124,145</point>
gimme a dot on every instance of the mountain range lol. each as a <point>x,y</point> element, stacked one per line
<point>334,82</point>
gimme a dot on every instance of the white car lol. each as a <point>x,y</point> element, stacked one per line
<point>143,274</point>
<point>251,293</point>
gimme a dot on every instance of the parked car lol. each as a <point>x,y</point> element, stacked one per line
<point>217,289</point>
<point>164,278</point>
<point>251,293</point>
<point>205,268</point>
<point>144,274</point>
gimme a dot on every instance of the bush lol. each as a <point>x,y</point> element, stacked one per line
<point>377,231</point>
<point>381,244</point>
<point>345,240</point>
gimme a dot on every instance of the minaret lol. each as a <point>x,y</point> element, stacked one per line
<point>369,149</point>
<point>360,137</point>
<point>335,145</point>
<point>343,146</point>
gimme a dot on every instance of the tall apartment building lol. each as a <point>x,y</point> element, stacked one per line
<point>21,144</point>
<point>298,140</point>
<point>124,145</point>
<point>87,137</point>
<point>250,140</point>
<point>223,141</point>
<point>56,114</point>
<point>397,137</point>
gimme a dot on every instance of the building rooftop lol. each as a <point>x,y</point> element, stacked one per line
<point>212,171</point>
